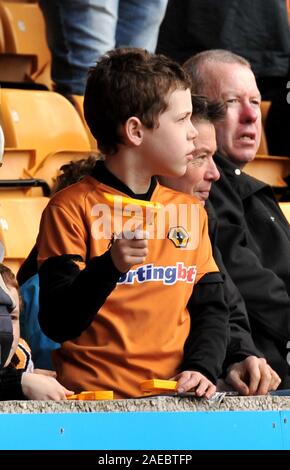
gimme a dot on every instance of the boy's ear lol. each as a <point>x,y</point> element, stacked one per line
<point>133,131</point>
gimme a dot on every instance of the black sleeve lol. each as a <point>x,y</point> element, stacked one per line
<point>241,344</point>
<point>10,384</point>
<point>265,294</point>
<point>69,297</point>
<point>266,297</point>
<point>205,348</point>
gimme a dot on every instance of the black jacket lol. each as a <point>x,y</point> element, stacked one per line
<point>254,239</point>
<point>258,31</point>
<point>241,343</point>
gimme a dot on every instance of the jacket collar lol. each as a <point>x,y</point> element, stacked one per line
<point>245,184</point>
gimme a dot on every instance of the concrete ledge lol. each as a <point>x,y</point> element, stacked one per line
<point>152,404</point>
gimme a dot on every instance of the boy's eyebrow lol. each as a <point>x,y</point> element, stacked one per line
<point>184,113</point>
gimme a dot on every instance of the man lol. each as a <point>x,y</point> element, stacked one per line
<point>254,236</point>
<point>245,370</point>
<point>79,32</point>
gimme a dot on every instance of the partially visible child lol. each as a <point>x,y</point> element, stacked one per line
<point>20,354</point>
<point>25,383</point>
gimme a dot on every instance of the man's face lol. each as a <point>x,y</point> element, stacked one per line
<point>239,134</point>
<point>15,323</point>
<point>201,171</point>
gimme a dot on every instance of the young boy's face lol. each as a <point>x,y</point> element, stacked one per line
<point>15,323</point>
<point>168,147</point>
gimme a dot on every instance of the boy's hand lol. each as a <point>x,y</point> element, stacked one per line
<point>192,381</point>
<point>129,250</point>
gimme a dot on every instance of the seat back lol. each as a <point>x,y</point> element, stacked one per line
<point>263,148</point>
<point>16,163</point>
<point>285,208</point>
<point>49,168</point>
<point>41,120</point>
<point>272,170</point>
<point>24,32</point>
<point>19,225</point>
<point>79,105</point>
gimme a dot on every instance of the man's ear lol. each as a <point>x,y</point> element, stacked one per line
<point>133,131</point>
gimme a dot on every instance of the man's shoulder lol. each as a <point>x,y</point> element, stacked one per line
<point>233,179</point>
<point>169,195</point>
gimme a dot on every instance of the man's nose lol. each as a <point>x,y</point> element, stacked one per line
<point>212,173</point>
<point>250,113</point>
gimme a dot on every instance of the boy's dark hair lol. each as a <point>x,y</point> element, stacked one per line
<point>204,109</point>
<point>74,171</point>
<point>128,82</point>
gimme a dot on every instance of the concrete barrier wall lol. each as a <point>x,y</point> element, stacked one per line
<point>149,423</point>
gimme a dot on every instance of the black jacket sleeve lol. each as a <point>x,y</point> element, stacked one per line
<point>241,343</point>
<point>69,297</point>
<point>10,384</point>
<point>205,348</point>
<point>265,294</point>
<point>266,298</point>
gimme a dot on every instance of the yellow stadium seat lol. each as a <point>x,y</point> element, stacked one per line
<point>24,35</point>
<point>2,40</point>
<point>49,168</point>
<point>285,208</point>
<point>41,120</point>
<point>288,9</point>
<point>269,169</point>
<point>16,163</point>
<point>263,148</point>
<point>19,224</point>
<point>79,105</point>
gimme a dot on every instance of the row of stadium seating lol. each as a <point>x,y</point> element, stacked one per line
<point>43,130</point>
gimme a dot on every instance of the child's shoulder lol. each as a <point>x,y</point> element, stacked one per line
<point>75,190</point>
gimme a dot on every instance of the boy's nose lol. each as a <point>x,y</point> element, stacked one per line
<point>193,132</point>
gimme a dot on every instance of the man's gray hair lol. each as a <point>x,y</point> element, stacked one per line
<point>195,66</point>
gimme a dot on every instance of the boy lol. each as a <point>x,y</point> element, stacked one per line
<point>124,310</point>
<point>17,380</point>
